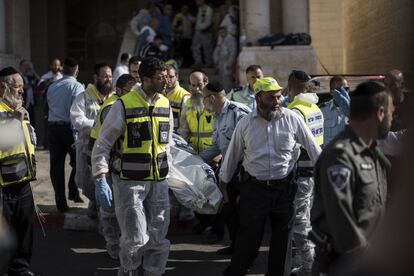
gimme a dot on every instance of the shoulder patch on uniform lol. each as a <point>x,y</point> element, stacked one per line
<point>339,176</point>
<point>232,106</point>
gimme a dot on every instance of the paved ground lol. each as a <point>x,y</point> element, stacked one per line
<point>67,253</point>
<point>73,247</point>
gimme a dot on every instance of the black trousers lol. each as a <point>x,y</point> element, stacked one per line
<point>19,212</point>
<point>258,202</point>
<point>60,144</point>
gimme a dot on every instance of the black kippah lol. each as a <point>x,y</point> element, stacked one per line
<point>7,71</point>
<point>70,62</point>
<point>299,75</point>
<point>215,87</point>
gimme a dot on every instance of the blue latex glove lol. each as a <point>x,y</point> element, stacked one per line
<point>103,193</point>
<point>342,99</point>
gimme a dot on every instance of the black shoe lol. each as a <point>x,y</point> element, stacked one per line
<point>225,251</point>
<point>76,199</point>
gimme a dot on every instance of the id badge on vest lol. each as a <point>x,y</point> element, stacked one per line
<point>164,131</point>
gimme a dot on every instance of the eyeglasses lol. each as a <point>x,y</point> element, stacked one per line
<point>124,90</point>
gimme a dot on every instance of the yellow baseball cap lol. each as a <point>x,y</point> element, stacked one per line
<point>266,84</point>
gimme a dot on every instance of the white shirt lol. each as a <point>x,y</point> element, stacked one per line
<point>204,18</point>
<point>268,147</point>
<point>119,71</point>
<point>50,75</point>
<point>112,128</point>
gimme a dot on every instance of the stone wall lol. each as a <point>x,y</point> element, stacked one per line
<point>15,18</point>
<point>279,61</point>
<point>326,29</point>
<point>378,34</point>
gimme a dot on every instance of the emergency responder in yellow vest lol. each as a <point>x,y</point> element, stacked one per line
<point>196,123</point>
<point>142,122</point>
<point>304,104</point>
<point>17,169</point>
<point>177,95</point>
<point>83,113</point>
<point>107,218</point>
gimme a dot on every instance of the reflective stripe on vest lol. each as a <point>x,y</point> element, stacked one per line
<point>17,161</point>
<point>200,127</point>
<point>313,117</point>
<point>176,101</point>
<point>143,154</point>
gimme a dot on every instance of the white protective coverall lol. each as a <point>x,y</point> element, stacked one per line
<point>224,57</point>
<point>83,113</point>
<point>305,252</point>
<point>142,207</point>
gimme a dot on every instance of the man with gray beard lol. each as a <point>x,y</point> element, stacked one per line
<point>196,123</point>
<point>265,140</point>
<point>83,113</point>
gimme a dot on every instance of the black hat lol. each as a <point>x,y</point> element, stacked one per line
<point>71,62</point>
<point>7,71</point>
<point>299,75</point>
<point>214,87</point>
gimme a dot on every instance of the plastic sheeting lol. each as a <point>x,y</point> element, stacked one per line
<point>192,181</point>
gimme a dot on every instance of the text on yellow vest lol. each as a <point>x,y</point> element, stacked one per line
<point>313,117</point>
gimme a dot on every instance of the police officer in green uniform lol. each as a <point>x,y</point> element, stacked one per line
<point>351,183</point>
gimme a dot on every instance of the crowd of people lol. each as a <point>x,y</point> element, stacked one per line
<point>318,171</point>
<point>265,141</point>
<point>211,35</point>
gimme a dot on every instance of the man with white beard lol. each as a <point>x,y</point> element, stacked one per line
<point>265,140</point>
<point>17,169</point>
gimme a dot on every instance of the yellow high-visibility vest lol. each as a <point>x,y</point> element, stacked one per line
<point>147,131</point>
<point>313,117</point>
<point>200,127</point>
<point>176,101</point>
<point>106,106</point>
<point>17,156</point>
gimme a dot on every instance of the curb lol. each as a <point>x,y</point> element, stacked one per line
<point>79,221</point>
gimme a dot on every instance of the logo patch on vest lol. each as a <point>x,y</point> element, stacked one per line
<point>164,132</point>
<point>339,176</point>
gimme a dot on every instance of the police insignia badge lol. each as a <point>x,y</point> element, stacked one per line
<point>164,132</point>
<point>339,176</point>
